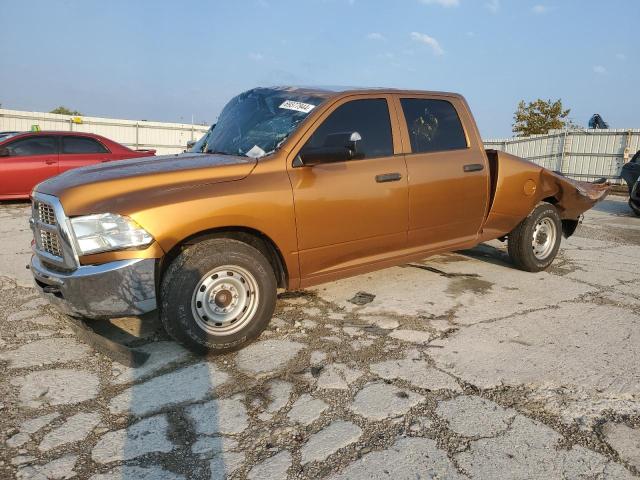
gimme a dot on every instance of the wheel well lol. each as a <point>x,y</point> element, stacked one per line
<point>255,238</point>
<point>569,225</point>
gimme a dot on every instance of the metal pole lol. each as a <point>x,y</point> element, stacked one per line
<point>625,149</point>
<point>564,143</point>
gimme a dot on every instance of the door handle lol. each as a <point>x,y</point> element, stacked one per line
<point>388,177</point>
<point>50,161</point>
<point>473,167</point>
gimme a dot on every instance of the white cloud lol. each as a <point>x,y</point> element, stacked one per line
<point>427,40</point>
<point>256,57</point>
<point>540,9</point>
<point>599,69</point>
<point>375,36</point>
<point>621,56</point>
<point>493,6</point>
<point>442,3</point>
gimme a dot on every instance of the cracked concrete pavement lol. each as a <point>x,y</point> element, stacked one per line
<point>460,367</point>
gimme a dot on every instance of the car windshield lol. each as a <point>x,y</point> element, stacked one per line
<point>257,122</point>
<point>7,135</point>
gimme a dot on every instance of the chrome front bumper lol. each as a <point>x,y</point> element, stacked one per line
<point>115,289</point>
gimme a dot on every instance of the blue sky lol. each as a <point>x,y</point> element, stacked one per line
<point>167,61</point>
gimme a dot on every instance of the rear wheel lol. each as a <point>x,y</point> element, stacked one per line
<point>635,208</point>
<point>534,243</point>
<point>217,295</point>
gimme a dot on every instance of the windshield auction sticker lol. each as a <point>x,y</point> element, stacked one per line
<point>297,106</point>
<point>256,152</point>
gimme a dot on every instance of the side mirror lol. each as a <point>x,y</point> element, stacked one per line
<point>4,152</point>
<point>190,144</point>
<point>337,147</point>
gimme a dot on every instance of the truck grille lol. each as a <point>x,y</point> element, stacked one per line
<point>51,233</point>
<point>50,243</point>
<point>46,214</point>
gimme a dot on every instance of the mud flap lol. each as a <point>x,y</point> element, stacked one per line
<point>114,350</point>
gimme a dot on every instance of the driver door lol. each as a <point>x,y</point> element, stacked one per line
<point>29,161</point>
<point>351,213</point>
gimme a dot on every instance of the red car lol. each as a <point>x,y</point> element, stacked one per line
<point>27,159</point>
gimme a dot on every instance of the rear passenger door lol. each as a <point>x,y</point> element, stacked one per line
<point>448,175</point>
<point>79,151</point>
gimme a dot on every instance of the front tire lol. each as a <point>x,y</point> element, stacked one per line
<point>635,208</point>
<point>217,295</point>
<point>534,243</point>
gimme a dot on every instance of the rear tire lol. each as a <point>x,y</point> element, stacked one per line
<point>534,243</point>
<point>217,295</point>
<point>635,208</point>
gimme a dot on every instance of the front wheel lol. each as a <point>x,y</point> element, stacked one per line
<point>217,295</point>
<point>534,243</point>
<point>635,208</point>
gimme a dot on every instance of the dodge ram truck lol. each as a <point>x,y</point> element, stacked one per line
<point>292,188</point>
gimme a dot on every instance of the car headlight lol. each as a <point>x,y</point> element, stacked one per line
<point>108,231</point>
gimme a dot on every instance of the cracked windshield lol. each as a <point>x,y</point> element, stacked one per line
<point>257,122</point>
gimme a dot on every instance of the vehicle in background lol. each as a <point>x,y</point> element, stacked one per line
<point>5,135</point>
<point>293,188</point>
<point>597,122</point>
<point>631,174</point>
<point>28,158</point>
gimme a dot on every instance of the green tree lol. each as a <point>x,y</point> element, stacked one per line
<point>539,117</point>
<point>65,111</point>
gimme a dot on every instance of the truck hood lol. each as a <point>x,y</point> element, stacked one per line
<point>95,188</point>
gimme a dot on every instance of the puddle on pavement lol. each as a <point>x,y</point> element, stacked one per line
<point>459,285</point>
<point>450,258</point>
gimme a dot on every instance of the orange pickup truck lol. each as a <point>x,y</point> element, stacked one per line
<point>291,188</point>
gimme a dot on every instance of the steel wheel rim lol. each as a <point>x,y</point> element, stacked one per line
<point>544,238</point>
<point>225,300</point>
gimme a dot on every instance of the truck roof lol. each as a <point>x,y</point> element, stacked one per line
<point>332,91</point>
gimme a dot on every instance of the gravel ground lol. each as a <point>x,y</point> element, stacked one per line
<point>459,367</point>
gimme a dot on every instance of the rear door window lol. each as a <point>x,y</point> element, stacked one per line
<point>433,125</point>
<point>71,145</point>
<point>368,117</point>
<point>27,147</point>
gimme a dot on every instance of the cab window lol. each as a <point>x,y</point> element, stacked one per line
<point>433,125</point>
<point>85,145</point>
<point>367,117</point>
<point>33,146</point>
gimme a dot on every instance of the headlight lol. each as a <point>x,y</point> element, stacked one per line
<point>108,231</point>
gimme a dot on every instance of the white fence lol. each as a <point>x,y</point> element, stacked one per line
<point>584,154</point>
<point>166,138</point>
